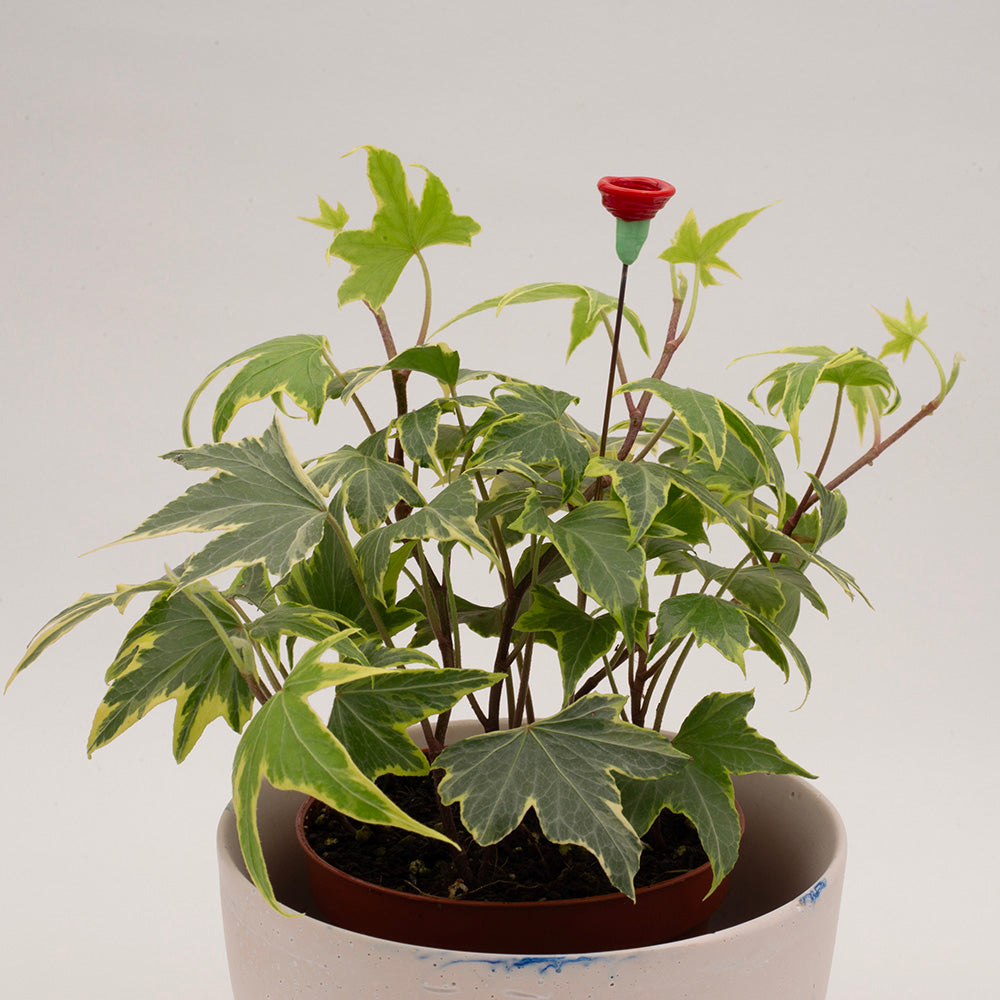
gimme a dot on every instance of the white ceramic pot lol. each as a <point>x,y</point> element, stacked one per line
<point>772,939</point>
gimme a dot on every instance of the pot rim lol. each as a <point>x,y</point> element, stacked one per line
<point>480,904</point>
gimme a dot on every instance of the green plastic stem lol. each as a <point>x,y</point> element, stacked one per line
<point>630,238</point>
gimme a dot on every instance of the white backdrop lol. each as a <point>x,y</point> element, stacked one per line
<point>155,159</point>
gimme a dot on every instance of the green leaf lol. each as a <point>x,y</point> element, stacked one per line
<point>770,637</point>
<point>80,611</point>
<point>763,588</point>
<point>562,768</point>
<point>295,366</point>
<point>700,413</point>
<point>420,434</point>
<point>437,360</point>
<point>288,744</point>
<point>705,797</point>
<point>832,513</point>
<point>266,507</point>
<point>297,620</point>
<point>530,434</point>
<point>188,647</point>
<point>370,716</point>
<point>691,247</point>
<point>709,619</point>
<point>579,639</point>
<point>252,586</point>
<point>329,218</point>
<point>449,517</point>
<point>719,742</point>
<point>717,736</point>
<point>372,485</point>
<point>595,542</point>
<point>903,333</point>
<point>793,384</point>
<point>590,307</point>
<point>759,441</point>
<point>325,581</point>
<point>644,488</point>
<point>400,228</point>
<point>771,540</point>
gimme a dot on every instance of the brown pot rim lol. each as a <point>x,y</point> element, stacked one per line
<point>474,904</point>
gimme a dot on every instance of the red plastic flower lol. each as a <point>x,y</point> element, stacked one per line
<point>633,199</point>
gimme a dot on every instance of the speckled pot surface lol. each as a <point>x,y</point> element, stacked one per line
<point>772,938</point>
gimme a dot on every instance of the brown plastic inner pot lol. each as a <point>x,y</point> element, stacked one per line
<point>667,911</point>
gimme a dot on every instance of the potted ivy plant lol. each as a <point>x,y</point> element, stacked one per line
<point>350,570</point>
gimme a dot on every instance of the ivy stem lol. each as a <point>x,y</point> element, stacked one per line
<point>496,533</point>
<point>807,498</point>
<point>671,681</point>
<point>354,398</point>
<point>670,345</point>
<point>651,443</point>
<point>383,328</point>
<point>426,321</point>
<point>867,458</point>
<point>833,433</point>
<point>359,582</point>
<point>257,688</point>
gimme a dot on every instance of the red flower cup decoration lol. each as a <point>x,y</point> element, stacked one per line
<point>634,199</point>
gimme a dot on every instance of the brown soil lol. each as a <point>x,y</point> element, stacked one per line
<point>522,867</point>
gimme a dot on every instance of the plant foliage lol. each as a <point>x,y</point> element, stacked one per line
<point>348,571</point>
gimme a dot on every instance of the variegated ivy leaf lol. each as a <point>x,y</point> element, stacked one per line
<point>400,228</point>
<point>529,434</point>
<point>772,640</point>
<point>730,628</point>
<point>266,507</point>
<point>370,716</point>
<point>297,620</point>
<point>329,218</point>
<point>288,744</point>
<point>590,307</point>
<point>792,385</point>
<point>371,484</point>
<point>691,247</point>
<point>705,797</point>
<point>325,581</point>
<point>80,611</point>
<point>563,768</point>
<point>760,442</point>
<point>717,738</point>
<point>903,333</point>
<point>579,639</point>
<point>764,588</point>
<point>449,517</point>
<point>771,540</point>
<point>419,433</point>
<point>188,647</point>
<point>594,540</point>
<point>709,619</point>
<point>644,490</point>
<point>701,414</point>
<point>438,360</point>
<point>295,366</point>
<point>832,513</point>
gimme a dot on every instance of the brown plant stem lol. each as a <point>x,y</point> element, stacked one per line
<point>670,345</point>
<point>866,459</point>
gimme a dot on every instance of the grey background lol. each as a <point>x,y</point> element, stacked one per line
<point>155,158</point>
